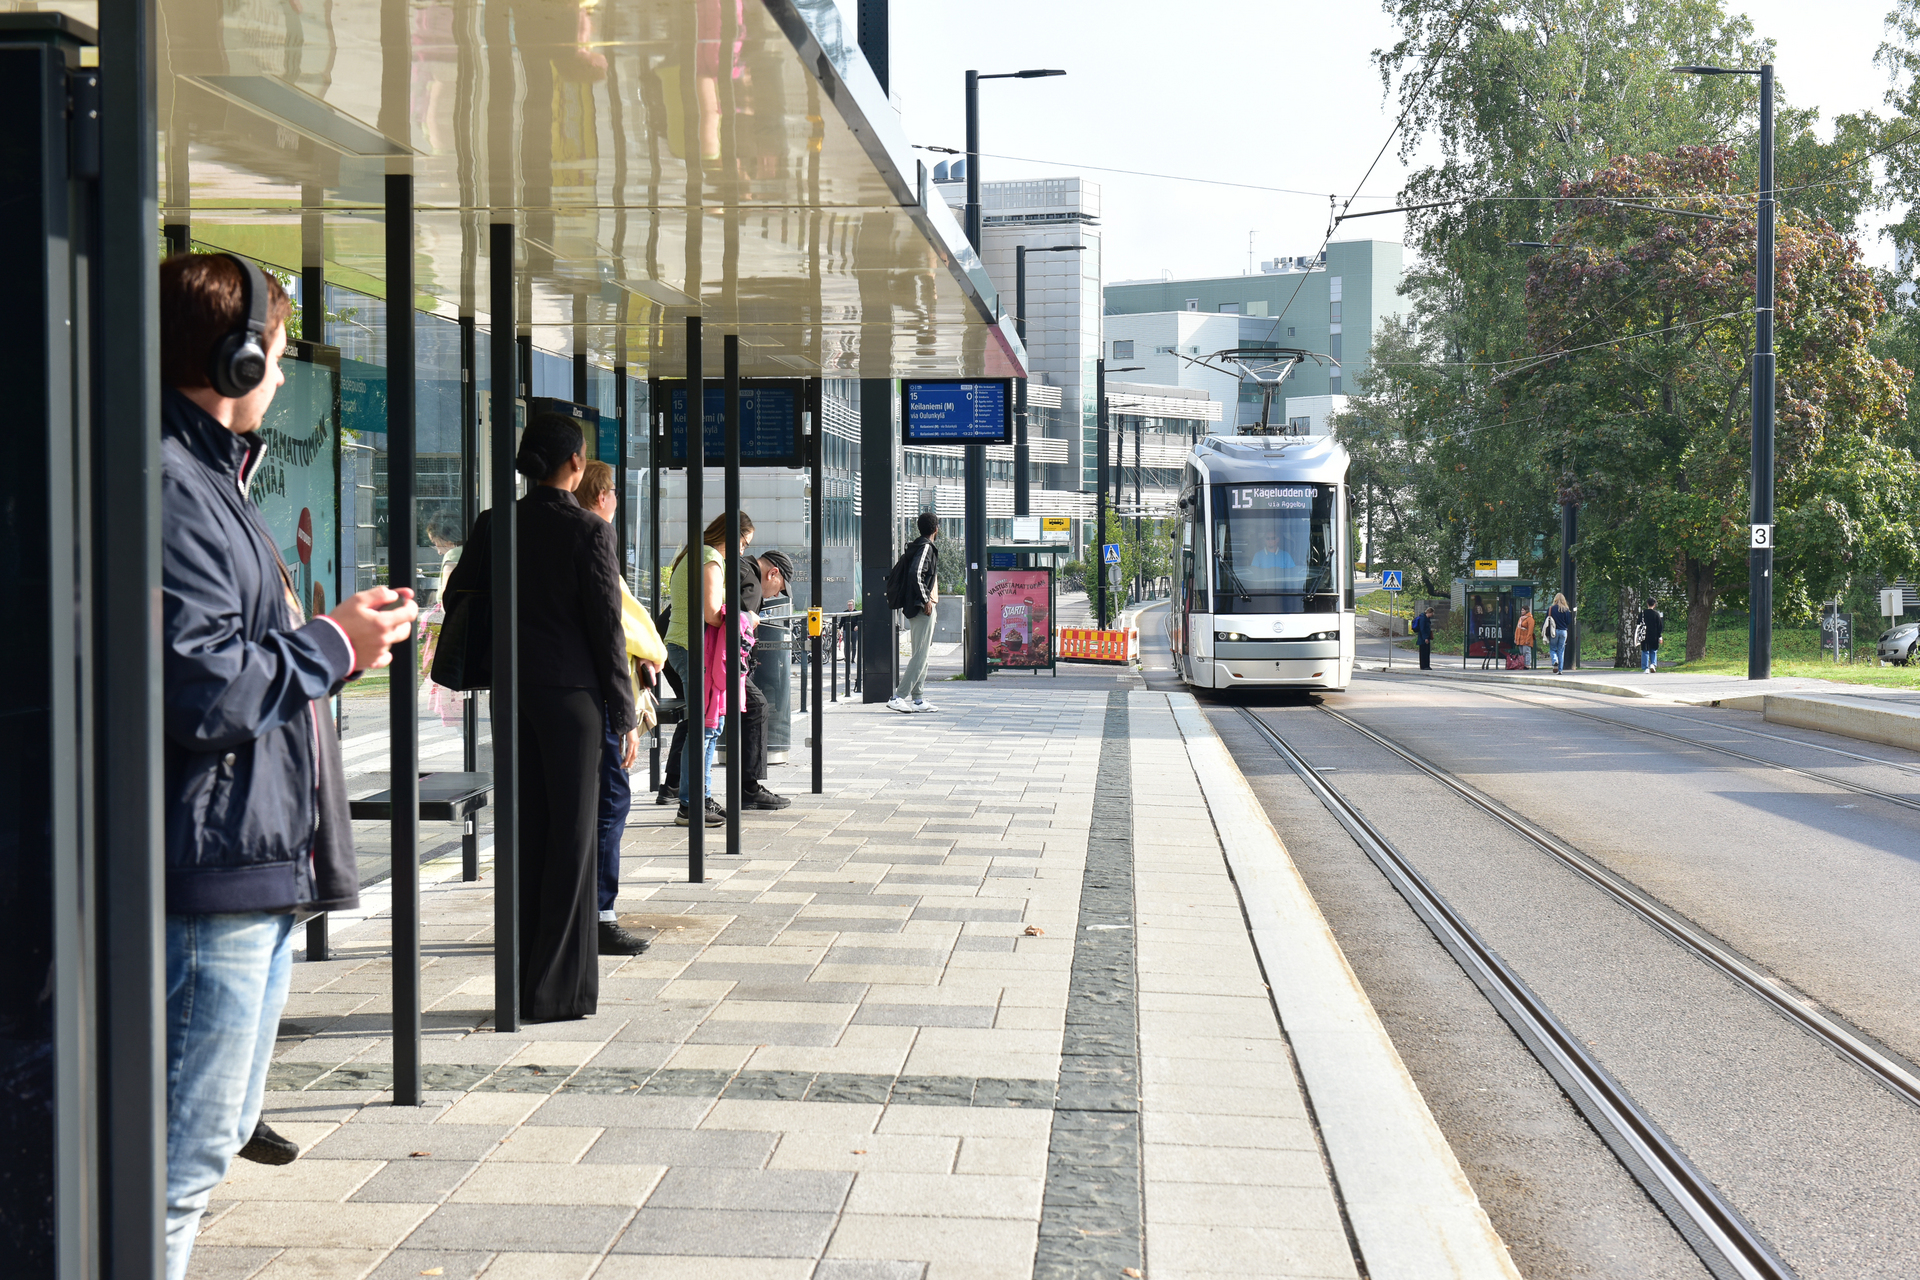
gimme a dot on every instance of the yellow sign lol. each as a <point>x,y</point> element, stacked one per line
<point>813,622</point>
<point>1056,524</point>
<point>1485,566</point>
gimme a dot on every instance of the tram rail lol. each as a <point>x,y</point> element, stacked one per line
<point>1725,1242</point>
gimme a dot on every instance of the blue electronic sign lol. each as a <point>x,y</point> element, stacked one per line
<point>975,412</point>
<point>769,424</point>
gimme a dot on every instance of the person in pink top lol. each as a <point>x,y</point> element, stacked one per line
<point>715,664</point>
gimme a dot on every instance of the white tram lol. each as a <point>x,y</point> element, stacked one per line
<point>1263,592</point>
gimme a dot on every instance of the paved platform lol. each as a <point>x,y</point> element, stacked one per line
<point>996,1004</point>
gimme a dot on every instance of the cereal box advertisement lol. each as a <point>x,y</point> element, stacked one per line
<point>1019,617</point>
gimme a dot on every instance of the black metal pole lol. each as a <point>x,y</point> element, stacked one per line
<point>696,570</point>
<point>1760,557</point>
<point>736,738</point>
<point>878,545</point>
<point>973,160</point>
<point>1139,437</point>
<point>503,705</point>
<point>469,499</point>
<point>403,684</point>
<point>818,570</point>
<point>1100,496</point>
<point>624,508</point>
<point>976,507</point>
<point>129,1058</point>
<point>1569,532</point>
<point>1021,497</point>
<point>656,454</point>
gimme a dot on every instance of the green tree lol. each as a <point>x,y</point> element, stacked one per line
<point>1642,323</point>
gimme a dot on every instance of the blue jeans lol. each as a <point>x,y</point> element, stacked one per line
<point>1558,648</point>
<point>226,984</point>
<point>1648,657</point>
<point>616,802</point>
<point>710,740</point>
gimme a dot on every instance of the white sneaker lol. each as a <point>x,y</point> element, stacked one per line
<point>900,704</point>
<point>922,706</point>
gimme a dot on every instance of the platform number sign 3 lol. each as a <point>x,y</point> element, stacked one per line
<point>1390,580</point>
<point>1762,537</point>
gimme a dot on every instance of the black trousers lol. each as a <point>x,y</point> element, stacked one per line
<point>753,744</point>
<point>561,734</point>
<point>1426,655</point>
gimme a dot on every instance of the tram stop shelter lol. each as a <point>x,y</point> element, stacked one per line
<point>1491,609</point>
<point>460,189</point>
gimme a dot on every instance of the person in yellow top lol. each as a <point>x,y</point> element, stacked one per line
<point>647,653</point>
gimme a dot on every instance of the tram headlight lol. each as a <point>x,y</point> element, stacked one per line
<point>1324,635</point>
<point>1228,637</point>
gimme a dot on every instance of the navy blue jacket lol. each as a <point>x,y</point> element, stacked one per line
<point>1422,626</point>
<point>244,737</point>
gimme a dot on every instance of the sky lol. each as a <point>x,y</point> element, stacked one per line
<point>1243,91</point>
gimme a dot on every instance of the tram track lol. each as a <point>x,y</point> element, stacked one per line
<point>1903,801</point>
<point>1720,1236</point>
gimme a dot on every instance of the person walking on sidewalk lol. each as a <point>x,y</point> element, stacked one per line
<point>1559,627</point>
<point>713,598</point>
<point>1422,627</point>
<point>646,654</point>
<point>256,823</point>
<point>1652,624</point>
<point>914,588</point>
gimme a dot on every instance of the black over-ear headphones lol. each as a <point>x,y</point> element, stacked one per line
<point>239,360</point>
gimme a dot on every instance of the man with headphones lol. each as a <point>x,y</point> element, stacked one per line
<point>256,814</point>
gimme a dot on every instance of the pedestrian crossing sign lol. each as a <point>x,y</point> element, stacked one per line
<point>1112,555</point>
<point>1390,580</point>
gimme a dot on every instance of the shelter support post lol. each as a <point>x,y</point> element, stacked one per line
<point>736,736</point>
<point>503,381</point>
<point>694,780</point>
<point>877,502</point>
<point>816,577</point>
<point>403,690</point>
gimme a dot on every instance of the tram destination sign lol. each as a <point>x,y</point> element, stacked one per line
<point>977,411</point>
<point>770,421</point>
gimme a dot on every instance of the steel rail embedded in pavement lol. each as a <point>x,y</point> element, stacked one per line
<point>1724,1241</point>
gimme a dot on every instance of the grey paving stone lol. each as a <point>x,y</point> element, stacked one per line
<point>215,1262</point>
<point>976,942</point>
<point>678,1082</point>
<point>995,915</point>
<point>599,1079</point>
<point>861,1269</point>
<point>409,1264</point>
<point>789,1190</point>
<point>820,992</point>
<point>524,1078</point>
<point>817,1035</point>
<point>776,1086</point>
<point>1013,1093</point>
<point>294,1075</point>
<point>847,924</point>
<point>599,1110</point>
<point>933,1091</point>
<point>842,897</point>
<point>354,1078</point>
<point>544,1228</point>
<point>924,1015</point>
<point>466,1142</point>
<point>407,1181</point>
<point>843,1086</point>
<point>726,1233</point>
<point>743,972</point>
<point>900,956</point>
<point>720,1148</point>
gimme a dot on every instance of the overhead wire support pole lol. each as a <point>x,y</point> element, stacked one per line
<point>502,401</point>
<point>736,738</point>
<point>1760,557</point>
<point>1100,495</point>
<point>817,575</point>
<point>1021,496</point>
<point>403,686</point>
<point>695,565</point>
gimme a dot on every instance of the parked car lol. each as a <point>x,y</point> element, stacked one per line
<point>1897,644</point>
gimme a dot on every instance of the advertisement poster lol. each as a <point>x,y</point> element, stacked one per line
<point>1019,617</point>
<point>297,487</point>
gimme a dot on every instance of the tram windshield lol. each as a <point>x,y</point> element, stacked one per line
<point>1273,548</point>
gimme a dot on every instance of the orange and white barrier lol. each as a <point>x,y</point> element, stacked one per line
<point>1084,644</point>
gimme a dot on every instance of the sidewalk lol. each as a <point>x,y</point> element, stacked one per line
<point>988,1007</point>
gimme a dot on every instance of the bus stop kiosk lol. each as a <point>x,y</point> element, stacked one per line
<point>1022,589</point>
<point>1491,612</point>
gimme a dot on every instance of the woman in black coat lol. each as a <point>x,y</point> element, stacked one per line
<point>573,669</point>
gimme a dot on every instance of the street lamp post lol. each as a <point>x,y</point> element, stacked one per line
<point>1021,486</point>
<point>976,455</point>
<point>1100,485</point>
<point>1760,552</point>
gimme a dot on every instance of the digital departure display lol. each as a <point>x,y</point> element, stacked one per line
<point>770,423</point>
<point>972,412</point>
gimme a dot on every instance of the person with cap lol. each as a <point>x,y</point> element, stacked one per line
<point>762,577</point>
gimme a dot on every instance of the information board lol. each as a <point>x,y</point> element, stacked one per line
<point>297,483</point>
<point>1020,617</point>
<point>770,422</point>
<point>971,412</point>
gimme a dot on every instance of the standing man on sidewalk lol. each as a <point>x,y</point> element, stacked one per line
<point>256,804</point>
<point>1423,628</point>
<point>914,589</point>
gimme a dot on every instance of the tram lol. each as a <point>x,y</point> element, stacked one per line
<point>1263,591</point>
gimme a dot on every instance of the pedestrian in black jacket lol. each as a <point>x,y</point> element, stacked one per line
<point>573,687</point>
<point>914,588</point>
<point>1652,624</point>
<point>255,799</point>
